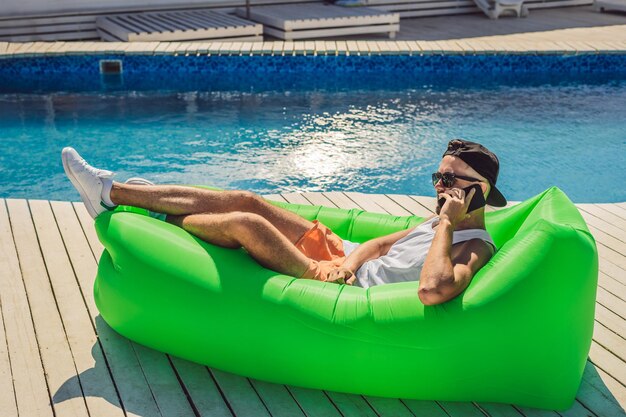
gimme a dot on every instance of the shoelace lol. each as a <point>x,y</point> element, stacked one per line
<point>100,173</point>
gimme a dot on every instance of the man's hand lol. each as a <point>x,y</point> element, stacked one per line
<point>341,275</point>
<point>455,207</point>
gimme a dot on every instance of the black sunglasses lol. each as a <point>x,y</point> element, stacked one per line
<point>449,178</point>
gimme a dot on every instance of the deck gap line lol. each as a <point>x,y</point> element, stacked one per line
<point>427,208</point>
<point>295,400</point>
<point>230,408</point>
<point>605,347</point>
<point>600,367</point>
<point>82,293</point>
<point>92,322</point>
<point>54,296</point>
<point>19,264</point>
<point>258,395</point>
<point>156,403</point>
<point>333,403</point>
<point>481,409</point>
<point>6,342</point>
<point>183,387</point>
<point>595,215</point>
<point>406,406</point>
<point>598,302</point>
<point>443,408</point>
<point>83,230</point>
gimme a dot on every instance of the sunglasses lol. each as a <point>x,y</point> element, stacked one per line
<point>449,178</point>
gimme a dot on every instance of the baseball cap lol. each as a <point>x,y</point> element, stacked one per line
<point>483,161</point>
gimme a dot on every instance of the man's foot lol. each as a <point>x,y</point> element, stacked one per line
<point>94,185</point>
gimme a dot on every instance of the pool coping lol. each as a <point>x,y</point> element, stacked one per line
<point>314,48</point>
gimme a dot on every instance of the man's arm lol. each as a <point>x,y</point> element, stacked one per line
<point>448,270</point>
<point>372,249</point>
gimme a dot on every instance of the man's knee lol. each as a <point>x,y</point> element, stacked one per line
<point>248,200</point>
<point>239,223</point>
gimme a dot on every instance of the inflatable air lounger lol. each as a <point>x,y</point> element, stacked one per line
<point>519,334</point>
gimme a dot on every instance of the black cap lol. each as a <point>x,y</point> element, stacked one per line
<point>483,161</point>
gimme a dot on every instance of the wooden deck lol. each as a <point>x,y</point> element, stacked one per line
<point>59,358</point>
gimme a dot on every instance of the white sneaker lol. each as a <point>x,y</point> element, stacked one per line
<point>138,181</point>
<point>89,181</point>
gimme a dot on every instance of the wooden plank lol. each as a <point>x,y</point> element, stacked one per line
<point>340,200</point>
<point>388,407</point>
<point>241,397</point>
<point>277,398</point>
<point>166,390</point>
<point>613,208</point>
<point>318,199</point>
<point>315,403</point>
<point>410,205</point>
<point>608,362</point>
<point>605,215</point>
<point>29,382</point>
<point>201,387</point>
<point>612,285</point>
<point>610,341</point>
<point>613,303</point>
<point>605,386</point>
<point>82,246</point>
<point>82,343</point>
<point>461,409</point>
<point>610,320</point>
<point>613,270</point>
<point>429,203</point>
<point>425,408</point>
<point>7,393</point>
<point>100,392</point>
<point>365,202</point>
<point>274,197</point>
<point>389,205</point>
<point>351,404</point>
<point>595,396</point>
<point>295,198</point>
<point>502,410</point>
<point>609,254</point>
<point>608,223</point>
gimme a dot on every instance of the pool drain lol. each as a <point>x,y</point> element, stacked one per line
<point>110,66</point>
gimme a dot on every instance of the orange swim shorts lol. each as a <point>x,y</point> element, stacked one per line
<point>325,250</point>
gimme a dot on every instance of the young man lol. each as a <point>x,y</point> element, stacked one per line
<point>444,252</point>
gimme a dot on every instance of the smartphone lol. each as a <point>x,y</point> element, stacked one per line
<point>477,202</point>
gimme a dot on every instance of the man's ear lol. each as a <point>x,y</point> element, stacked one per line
<point>486,189</point>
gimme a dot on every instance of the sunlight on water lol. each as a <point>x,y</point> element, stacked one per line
<point>369,140</point>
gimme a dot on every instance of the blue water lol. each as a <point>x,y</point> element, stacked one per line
<point>379,135</point>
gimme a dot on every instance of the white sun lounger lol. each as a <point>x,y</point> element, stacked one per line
<point>610,5</point>
<point>316,20</point>
<point>187,25</point>
<point>494,9</point>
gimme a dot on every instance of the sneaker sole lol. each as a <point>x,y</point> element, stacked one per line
<point>88,205</point>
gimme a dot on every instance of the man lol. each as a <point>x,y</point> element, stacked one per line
<point>444,252</point>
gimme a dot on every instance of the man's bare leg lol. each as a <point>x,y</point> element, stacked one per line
<point>264,242</point>
<point>180,201</point>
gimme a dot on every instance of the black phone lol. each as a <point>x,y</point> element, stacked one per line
<point>477,202</point>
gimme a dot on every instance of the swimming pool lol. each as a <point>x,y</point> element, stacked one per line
<point>376,127</point>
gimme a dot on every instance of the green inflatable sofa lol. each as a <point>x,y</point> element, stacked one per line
<point>519,334</point>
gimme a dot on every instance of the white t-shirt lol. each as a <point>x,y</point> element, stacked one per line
<point>406,257</point>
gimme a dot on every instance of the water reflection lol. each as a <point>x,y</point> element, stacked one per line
<point>385,140</point>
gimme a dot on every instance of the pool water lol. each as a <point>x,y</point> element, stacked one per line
<point>290,135</point>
